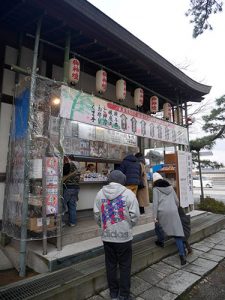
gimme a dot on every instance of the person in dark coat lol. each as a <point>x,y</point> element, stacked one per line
<point>71,181</point>
<point>131,167</point>
<point>186,223</point>
<point>165,213</point>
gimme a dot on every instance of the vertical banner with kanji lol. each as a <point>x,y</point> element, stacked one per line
<point>185,178</point>
<point>51,169</point>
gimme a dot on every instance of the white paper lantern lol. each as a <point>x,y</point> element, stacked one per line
<point>138,97</point>
<point>154,104</point>
<point>74,71</point>
<point>178,115</point>
<point>190,120</point>
<point>121,89</point>
<point>167,111</point>
<point>101,81</point>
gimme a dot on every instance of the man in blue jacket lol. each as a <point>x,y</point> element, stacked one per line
<point>131,167</point>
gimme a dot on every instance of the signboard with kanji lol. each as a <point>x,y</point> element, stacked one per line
<point>85,108</point>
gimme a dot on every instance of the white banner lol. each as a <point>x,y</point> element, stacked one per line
<point>185,178</point>
<point>85,108</point>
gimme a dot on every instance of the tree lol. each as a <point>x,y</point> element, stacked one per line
<point>215,125</point>
<point>215,121</point>
<point>200,11</point>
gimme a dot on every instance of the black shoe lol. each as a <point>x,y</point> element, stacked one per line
<point>114,295</point>
<point>126,298</point>
<point>183,260</point>
<point>159,244</point>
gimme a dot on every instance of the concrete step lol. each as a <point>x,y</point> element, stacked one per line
<point>86,228</point>
<point>82,250</point>
<point>83,279</point>
<point>77,251</point>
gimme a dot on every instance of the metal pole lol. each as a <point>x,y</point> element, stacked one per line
<point>60,192</point>
<point>200,176</point>
<point>187,125</point>
<point>66,57</point>
<point>22,258</point>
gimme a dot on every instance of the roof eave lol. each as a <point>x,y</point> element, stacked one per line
<point>120,33</point>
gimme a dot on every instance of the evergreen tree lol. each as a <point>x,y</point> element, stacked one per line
<point>215,125</point>
<point>200,11</point>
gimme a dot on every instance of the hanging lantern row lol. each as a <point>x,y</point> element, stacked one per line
<point>101,86</point>
<point>74,71</point>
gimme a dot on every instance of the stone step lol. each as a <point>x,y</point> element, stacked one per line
<point>83,279</point>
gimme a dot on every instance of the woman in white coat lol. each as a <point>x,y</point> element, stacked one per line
<point>165,212</point>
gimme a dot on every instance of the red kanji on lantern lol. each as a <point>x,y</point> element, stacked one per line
<point>74,71</point>
<point>154,104</point>
<point>121,89</point>
<point>101,81</point>
<point>138,97</point>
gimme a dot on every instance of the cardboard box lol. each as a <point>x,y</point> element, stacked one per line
<point>36,224</point>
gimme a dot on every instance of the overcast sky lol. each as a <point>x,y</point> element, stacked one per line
<point>162,25</point>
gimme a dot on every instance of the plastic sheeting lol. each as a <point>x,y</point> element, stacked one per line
<point>39,140</point>
<point>34,170</point>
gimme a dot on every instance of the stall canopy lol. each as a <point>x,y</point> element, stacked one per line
<point>97,38</point>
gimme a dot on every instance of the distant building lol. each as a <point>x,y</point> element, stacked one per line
<point>217,175</point>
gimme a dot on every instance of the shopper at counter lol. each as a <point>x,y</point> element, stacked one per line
<point>116,211</point>
<point>90,168</point>
<point>142,192</point>
<point>131,167</point>
<point>71,181</point>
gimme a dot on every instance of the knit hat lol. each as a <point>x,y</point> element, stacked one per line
<point>117,176</point>
<point>156,176</point>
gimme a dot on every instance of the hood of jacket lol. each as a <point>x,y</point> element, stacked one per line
<point>113,190</point>
<point>165,190</point>
<point>131,157</point>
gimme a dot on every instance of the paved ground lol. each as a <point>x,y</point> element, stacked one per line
<point>168,280</point>
<point>211,287</point>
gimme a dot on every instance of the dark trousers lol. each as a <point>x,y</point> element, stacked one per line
<point>159,232</point>
<point>161,237</point>
<point>142,210</point>
<point>118,253</point>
